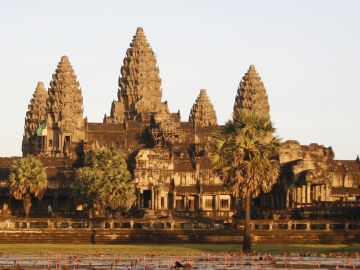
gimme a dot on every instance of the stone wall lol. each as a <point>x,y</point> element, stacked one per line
<point>111,231</point>
<point>311,174</point>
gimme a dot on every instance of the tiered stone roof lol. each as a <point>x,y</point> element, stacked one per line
<point>65,102</point>
<point>251,93</point>
<point>202,112</point>
<point>139,83</point>
<point>36,114</point>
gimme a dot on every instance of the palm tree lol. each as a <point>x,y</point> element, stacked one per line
<point>245,154</point>
<point>106,181</point>
<point>27,177</point>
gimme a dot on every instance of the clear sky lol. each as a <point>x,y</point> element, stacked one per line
<point>307,52</point>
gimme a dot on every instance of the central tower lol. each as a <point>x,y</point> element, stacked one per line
<point>139,93</point>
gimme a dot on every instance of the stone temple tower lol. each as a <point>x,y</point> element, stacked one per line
<point>35,118</point>
<point>139,94</point>
<point>202,112</point>
<point>65,122</point>
<point>251,93</point>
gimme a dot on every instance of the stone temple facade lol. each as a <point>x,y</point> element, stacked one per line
<point>168,157</point>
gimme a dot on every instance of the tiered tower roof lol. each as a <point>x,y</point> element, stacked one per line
<point>202,112</point>
<point>65,103</point>
<point>139,83</point>
<point>251,93</point>
<point>36,114</point>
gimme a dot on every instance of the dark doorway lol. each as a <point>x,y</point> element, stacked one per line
<point>67,139</point>
<point>147,198</point>
<point>170,201</point>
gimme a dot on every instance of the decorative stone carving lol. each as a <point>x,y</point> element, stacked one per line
<point>251,93</point>
<point>202,112</point>
<point>316,160</point>
<point>35,116</point>
<point>312,172</point>
<point>139,84</point>
<point>65,107</point>
<point>168,132</point>
<point>163,114</point>
<point>116,113</point>
<point>65,101</point>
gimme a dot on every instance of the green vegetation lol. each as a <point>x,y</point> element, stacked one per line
<point>27,178</point>
<point>245,154</point>
<point>169,248</point>
<point>105,182</point>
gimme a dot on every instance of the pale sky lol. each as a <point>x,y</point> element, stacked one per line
<point>307,53</point>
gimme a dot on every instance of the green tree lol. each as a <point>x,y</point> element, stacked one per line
<point>27,178</point>
<point>106,181</point>
<point>245,154</point>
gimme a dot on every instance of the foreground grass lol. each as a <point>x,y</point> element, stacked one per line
<point>305,248</point>
<point>168,248</point>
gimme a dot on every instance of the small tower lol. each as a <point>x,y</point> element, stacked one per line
<point>202,112</point>
<point>65,122</point>
<point>35,118</point>
<point>251,93</point>
<point>139,83</point>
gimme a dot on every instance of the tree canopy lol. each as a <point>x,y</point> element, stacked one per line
<point>106,181</point>
<point>245,153</point>
<point>27,177</point>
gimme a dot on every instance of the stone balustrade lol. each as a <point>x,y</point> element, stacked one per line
<point>171,224</point>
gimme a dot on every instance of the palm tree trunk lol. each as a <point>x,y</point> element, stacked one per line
<point>247,245</point>
<point>27,204</point>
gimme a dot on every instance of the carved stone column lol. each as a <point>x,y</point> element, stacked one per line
<point>138,198</point>
<point>308,194</point>
<point>174,200</point>
<point>167,207</point>
<point>159,206</point>
<point>322,193</point>
<point>287,198</point>
<point>199,202</point>
<point>152,198</point>
<point>298,196</point>
<point>303,195</point>
<point>156,195</point>
<point>326,191</point>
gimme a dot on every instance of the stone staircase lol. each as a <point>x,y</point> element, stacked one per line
<point>149,214</point>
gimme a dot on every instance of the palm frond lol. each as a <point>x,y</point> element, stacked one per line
<point>245,153</point>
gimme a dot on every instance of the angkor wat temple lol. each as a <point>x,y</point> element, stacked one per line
<point>167,156</point>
